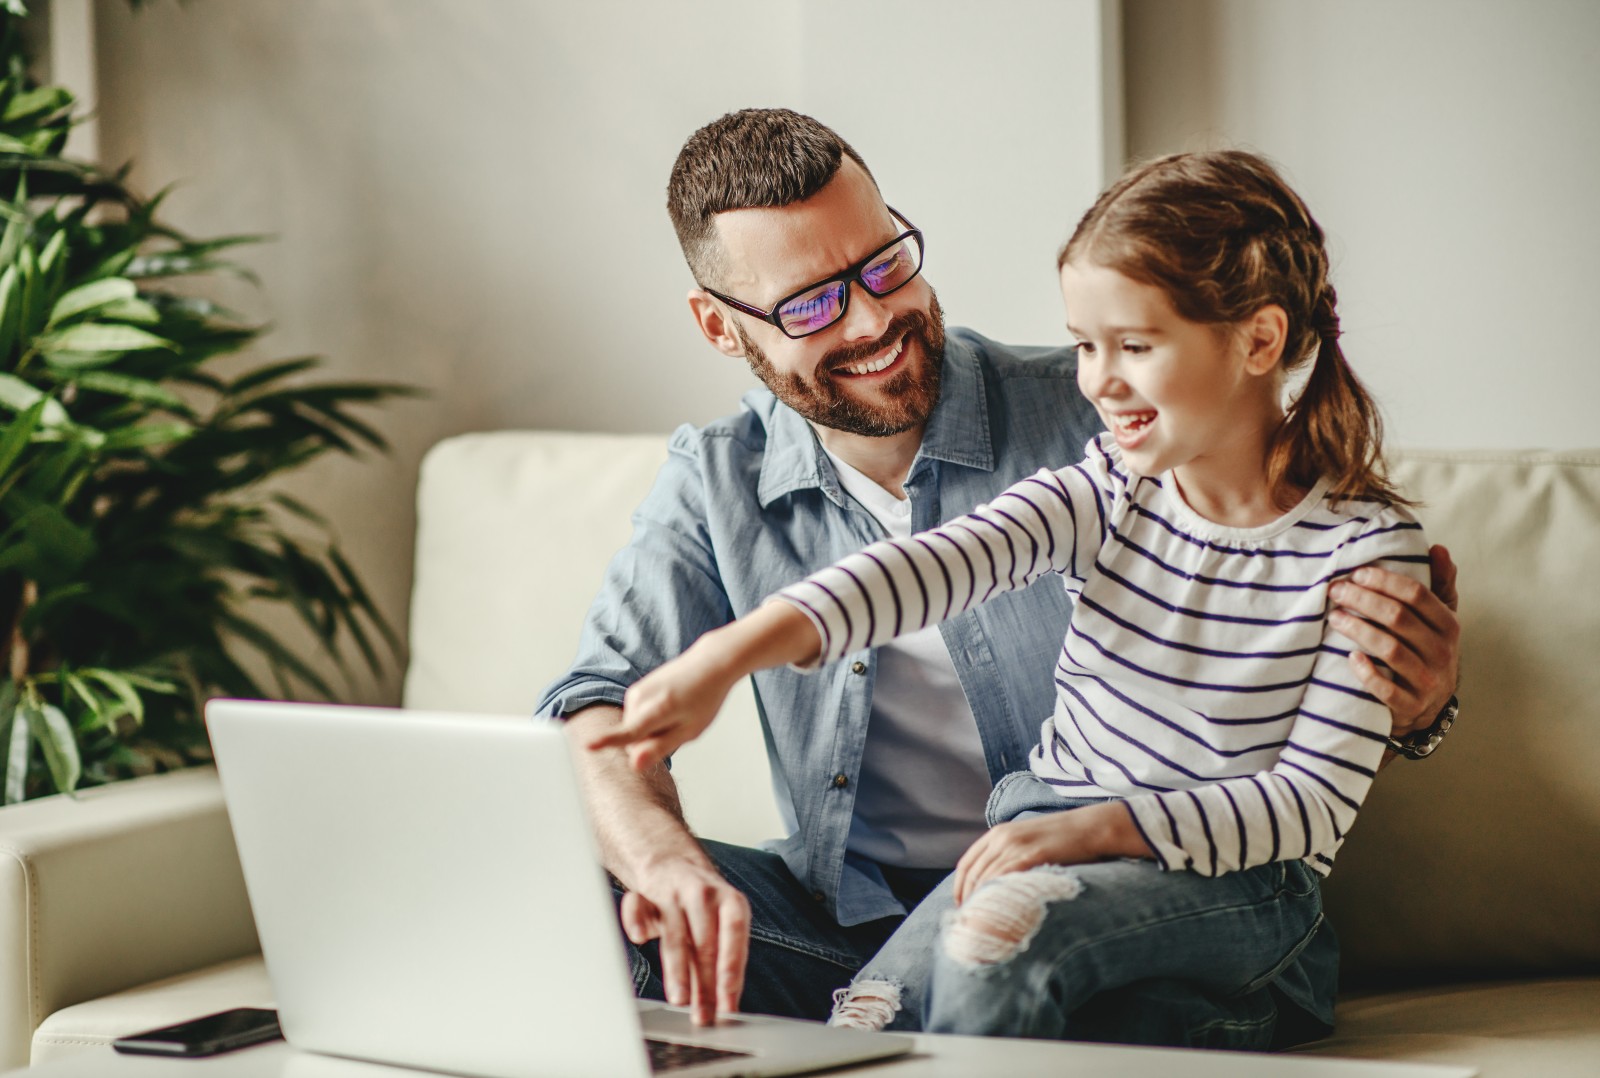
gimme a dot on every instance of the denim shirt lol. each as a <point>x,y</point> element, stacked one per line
<point>750,503</point>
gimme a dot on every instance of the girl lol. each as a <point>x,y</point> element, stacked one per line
<point>1209,746</point>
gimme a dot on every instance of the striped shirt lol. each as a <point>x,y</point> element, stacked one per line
<point>1200,679</point>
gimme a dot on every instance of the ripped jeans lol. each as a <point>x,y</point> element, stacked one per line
<point>1050,952</point>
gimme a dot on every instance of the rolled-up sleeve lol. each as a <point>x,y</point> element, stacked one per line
<point>660,592</point>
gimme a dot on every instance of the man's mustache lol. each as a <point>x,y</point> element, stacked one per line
<point>907,322</point>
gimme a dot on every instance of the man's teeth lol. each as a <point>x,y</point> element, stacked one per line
<point>876,365</point>
<point>1133,421</point>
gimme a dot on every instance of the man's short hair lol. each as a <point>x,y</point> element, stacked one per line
<point>747,159</point>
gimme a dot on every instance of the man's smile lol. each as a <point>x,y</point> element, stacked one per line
<point>884,361</point>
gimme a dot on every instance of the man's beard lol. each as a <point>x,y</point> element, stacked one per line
<point>912,394</point>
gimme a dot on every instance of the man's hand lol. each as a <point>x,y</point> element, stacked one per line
<point>703,923</point>
<point>675,893</point>
<point>1074,837</point>
<point>1412,631</point>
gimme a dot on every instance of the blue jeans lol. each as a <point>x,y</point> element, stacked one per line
<point>799,956</point>
<point>1118,951</point>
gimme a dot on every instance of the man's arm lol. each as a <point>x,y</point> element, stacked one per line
<point>675,893</point>
<point>1412,631</point>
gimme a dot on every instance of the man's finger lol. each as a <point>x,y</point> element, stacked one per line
<point>641,920</point>
<point>733,949</point>
<point>703,939</point>
<point>675,957</point>
<point>1443,571</point>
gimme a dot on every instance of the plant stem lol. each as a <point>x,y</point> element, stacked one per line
<point>19,642</point>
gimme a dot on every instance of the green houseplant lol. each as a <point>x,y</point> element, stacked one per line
<point>140,532</point>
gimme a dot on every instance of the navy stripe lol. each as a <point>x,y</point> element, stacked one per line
<point>844,613</point>
<point>1033,558</point>
<point>894,592</point>
<point>1113,761</point>
<point>1247,552</point>
<point>922,586</point>
<point>1142,709</point>
<point>1346,764</point>
<point>1334,790</point>
<point>1272,817</point>
<point>1058,742</point>
<point>1194,649</point>
<point>1130,739</point>
<point>972,573</point>
<point>1345,726</point>
<point>1205,824</point>
<point>1153,676</point>
<point>872,615</point>
<point>822,622</point>
<point>1049,532</point>
<point>1011,551</point>
<point>1099,505</point>
<point>1305,820</point>
<point>1357,693</point>
<point>1238,818</point>
<point>944,570</point>
<point>1139,827</point>
<point>994,566</point>
<point>1201,614</point>
<point>1218,582</point>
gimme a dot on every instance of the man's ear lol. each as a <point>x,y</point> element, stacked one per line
<point>1265,333</point>
<point>713,322</point>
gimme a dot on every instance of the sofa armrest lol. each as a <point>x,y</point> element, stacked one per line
<point>120,885</point>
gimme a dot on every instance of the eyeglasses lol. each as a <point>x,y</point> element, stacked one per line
<point>817,306</point>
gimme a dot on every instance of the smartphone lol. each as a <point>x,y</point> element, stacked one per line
<point>238,1028</point>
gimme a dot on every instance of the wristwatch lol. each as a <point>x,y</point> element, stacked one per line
<point>1415,746</point>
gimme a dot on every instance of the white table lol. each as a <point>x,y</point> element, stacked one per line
<point>936,1056</point>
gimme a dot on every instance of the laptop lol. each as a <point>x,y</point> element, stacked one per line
<point>427,893</point>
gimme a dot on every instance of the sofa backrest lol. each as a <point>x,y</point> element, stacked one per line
<point>1483,859</point>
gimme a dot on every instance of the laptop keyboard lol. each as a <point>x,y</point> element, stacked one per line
<point>670,1055</point>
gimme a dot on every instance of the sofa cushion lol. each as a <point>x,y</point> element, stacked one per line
<point>239,983</point>
<point>1508,1029</point>
<point>514,532</point>
<point>1485,858</point>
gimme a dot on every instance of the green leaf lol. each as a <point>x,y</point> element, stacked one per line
<point>145,435</point>
<point>16,743</point>
<point>131,310</point>
<point>19,396</point>
<point>68,347</point>
<point>53,731</point>
<point>121,687</point>
<point>88,297</point>
<point>44,100</point>
<point>19,433</point>
<point>125,385</point>
<point>10,310</point>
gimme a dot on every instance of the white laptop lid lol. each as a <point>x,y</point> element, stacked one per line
<point>386,863</point>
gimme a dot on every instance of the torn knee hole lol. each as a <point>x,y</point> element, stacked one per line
<point>1000,920</point>
<point>866,1004</point>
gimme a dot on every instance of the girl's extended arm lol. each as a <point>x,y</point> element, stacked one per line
<point>676,702</point>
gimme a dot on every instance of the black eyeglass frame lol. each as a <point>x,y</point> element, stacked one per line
<point>849,275</point>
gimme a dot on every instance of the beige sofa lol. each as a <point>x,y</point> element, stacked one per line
<point>1468,899</point>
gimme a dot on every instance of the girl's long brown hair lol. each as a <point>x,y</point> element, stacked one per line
<point>1223,235</point>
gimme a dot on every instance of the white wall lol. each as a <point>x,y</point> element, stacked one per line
<point>470,195</point>
<point>1451,148</point>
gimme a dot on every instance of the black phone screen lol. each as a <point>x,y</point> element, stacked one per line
<point>205,1036</point>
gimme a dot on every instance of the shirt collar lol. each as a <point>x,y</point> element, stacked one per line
<point>957,432</point>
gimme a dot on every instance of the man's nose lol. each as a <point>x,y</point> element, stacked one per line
<point>866,317</point>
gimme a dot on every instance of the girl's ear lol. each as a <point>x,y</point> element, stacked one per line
<point>1265,334</point>
<point>709,316</point>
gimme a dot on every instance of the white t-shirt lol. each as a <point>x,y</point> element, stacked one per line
<point>924,783</point>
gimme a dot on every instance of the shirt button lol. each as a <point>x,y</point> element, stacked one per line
<point>819,896</point>
<point>841,780</point>
<point>858,667</point>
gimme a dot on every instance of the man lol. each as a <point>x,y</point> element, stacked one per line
<point>874,421</point>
